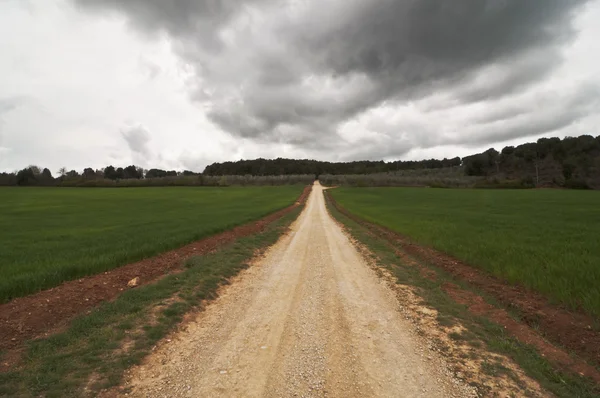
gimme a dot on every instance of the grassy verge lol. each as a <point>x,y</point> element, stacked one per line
<point>96,349</point>
<point>546,240</point>
<point>479,329</point>
<point>51,235</point>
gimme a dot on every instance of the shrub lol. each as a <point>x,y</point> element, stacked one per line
<point>576,184</point>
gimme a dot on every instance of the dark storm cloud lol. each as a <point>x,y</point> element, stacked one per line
<point>294,74</point>
<point>414,41</point>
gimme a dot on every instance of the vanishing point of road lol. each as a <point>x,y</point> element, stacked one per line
<point>311,318</point>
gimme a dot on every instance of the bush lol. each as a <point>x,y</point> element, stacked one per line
<point>526,183</point>
<point>576,184</point>
<point>414,178</point>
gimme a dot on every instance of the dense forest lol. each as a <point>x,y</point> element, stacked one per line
<point>573,162</point>
<point>292,166</point>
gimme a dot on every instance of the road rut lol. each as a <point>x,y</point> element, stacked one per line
<point>309,319</point>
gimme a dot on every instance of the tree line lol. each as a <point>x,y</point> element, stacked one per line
<point>34,175</point>
<point>572,162</point>
<point>280,166</point>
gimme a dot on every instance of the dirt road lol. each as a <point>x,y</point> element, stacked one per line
<point>309,319</point>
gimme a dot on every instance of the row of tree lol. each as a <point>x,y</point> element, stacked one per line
<point>570,162</point>
<point>34,175</point>
<point>280,166</point>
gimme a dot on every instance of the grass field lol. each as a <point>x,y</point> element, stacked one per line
<point>50,235</point>
<point>547,240</point>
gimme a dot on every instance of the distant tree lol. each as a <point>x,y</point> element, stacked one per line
<point>545,146</point>
<point>131,172</point>
<point>26,177</point>
<point>110,173</point>
<point>72,174</point>
<point>508,150</point>
<point>475,165</point>
<point>47,174</point>
<point>36,170</point>
<point>45,178</point>
<point>493,160</point>
<point>89,173</point>
<point>7,179</point>
<point>156,173</point>
<point>454,162</point>
<point>62,171</point>
<point>120,173</point>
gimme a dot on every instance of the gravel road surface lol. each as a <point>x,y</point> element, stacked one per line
<point>309,319</point>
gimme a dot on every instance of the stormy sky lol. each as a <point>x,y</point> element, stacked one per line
<point>183,83</point>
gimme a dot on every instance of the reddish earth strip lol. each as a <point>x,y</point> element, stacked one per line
<point>478,306</point>
<point>569,329</point>
<point>40,314</point>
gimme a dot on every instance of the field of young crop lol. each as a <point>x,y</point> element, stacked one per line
<point>547,240</point>
<point>50,235</point>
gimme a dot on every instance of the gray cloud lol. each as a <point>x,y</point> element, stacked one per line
<point>138,138</point>
<point>293,72</point>
<point>181,16</point>
<point>8,104</point>
<point>544,116</point>
<point>544,113</point>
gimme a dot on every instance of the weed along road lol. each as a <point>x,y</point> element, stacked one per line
<point>310,318</point>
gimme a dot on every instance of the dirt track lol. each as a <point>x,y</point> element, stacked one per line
<point>309,319</point>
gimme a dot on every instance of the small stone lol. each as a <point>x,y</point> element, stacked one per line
<point>134,282</point>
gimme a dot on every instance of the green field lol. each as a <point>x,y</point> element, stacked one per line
<point>547,240</point>
<point>50,235</point>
